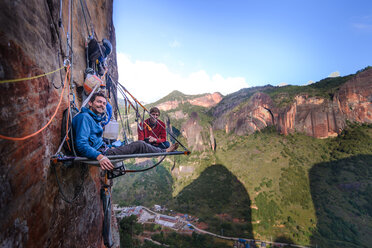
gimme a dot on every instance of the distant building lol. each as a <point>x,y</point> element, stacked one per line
<point>146,217</point>
<point>165,220</point>
<point>181,216</point>
<point>128,211</point>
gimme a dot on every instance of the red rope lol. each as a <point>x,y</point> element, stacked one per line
<point>50,121</point>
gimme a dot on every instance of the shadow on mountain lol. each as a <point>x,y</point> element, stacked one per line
<point>342,195</point>
<point>218,198</point>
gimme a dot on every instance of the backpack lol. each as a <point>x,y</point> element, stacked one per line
<point>68,144</point>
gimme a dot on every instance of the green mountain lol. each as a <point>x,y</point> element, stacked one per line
<point>176,96</point>
<point>264,185</point>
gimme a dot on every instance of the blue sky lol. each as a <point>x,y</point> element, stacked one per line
<point>207,46</point>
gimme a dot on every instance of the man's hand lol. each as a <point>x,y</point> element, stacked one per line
<point>152,139</point>
<point>104,162</point>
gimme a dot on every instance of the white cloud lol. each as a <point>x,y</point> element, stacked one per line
<point>174,44</point>
<point>363,23</point>
<point>363,26</point>
<point>334,74</point>
<point>282,84</point>
<point>149,81</point>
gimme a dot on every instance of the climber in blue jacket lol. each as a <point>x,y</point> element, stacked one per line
<point>87,130</point>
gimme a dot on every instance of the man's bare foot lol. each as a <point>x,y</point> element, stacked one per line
<point>172,148</point>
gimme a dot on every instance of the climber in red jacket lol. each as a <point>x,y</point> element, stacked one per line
<point>153,131</point>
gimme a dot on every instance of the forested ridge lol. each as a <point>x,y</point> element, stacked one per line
<point>266,185</point>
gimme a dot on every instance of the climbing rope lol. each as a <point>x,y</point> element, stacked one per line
<point>78,189</point>
<point>29,78</point>
<point>84,9</point>
<point>121,170</point>
<point>68,31</point>
<point>121,119</point>
<point>126,100</point>
<point>127,110</point>
<point>69,115</point>
<point>124,90</point>
<point>85,18</point>
<point>50,121</point>
<point>60,72</point>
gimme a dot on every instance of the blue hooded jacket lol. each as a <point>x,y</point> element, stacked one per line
<point>87,132</point>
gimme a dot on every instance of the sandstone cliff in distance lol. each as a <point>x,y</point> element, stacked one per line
<point>316,116</point>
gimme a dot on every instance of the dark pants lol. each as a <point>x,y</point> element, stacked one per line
<point>136,147</point>
<point>163,145</point>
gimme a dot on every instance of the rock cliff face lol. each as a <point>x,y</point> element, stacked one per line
<point>315,116</point>
<point>354,98</point>
<point>251,116</point>
<point>207,101</point>
<point>192,131</point>
<point>32,212</point>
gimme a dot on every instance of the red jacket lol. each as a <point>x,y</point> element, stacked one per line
<point>158,131</point>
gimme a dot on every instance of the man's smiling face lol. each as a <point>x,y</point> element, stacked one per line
<point>98,106</point>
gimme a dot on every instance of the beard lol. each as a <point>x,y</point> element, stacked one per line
<point>98,110</point>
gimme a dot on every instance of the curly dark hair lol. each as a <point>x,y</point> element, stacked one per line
<point>95,95</point>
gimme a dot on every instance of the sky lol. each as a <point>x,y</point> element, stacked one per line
<point>203,46</point>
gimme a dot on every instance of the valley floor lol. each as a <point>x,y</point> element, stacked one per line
<point>183,224</point>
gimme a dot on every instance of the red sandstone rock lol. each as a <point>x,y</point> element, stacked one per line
<point>314,116</point>
<point>192,131</point>
<point>354,99</point>
<point>165,106</point>
<point>207,101</point>
<point>32,212</point>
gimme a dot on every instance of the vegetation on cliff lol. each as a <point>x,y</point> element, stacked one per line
<point>325,88</point>
<point>176,96</point>
<point>267,185</point>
